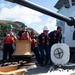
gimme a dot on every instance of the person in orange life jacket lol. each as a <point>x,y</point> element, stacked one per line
<point>43,46</point>
<point>55,37</point>
<point>34,39</point>
<point>9,39</point>
<point>34,46</point>
<point>24,34</point>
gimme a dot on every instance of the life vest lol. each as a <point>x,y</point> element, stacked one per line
<point>44,39</point>
<point>25,36</point>
<point>57,39</point>
<point>9,40</point>
<point>55,35</point>
<point>33,43</point>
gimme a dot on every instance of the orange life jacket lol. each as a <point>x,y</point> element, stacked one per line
<point>9,40</point>
<point>33,43</point>
<point>25,36</point>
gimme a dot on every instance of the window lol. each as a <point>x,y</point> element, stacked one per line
<point>74,35</point>
<point>73,2</point>
<point>67,4</point>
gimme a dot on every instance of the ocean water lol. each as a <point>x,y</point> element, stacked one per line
<point>1,53</point>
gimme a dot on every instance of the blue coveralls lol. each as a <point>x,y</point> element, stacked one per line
<point>44,50</point>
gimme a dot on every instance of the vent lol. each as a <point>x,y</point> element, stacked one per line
<point>67,5</point>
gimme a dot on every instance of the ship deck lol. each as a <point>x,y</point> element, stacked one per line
<point>36,69</point>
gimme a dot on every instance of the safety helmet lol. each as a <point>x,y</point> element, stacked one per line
<point>45,28</point>
<point>10,26</point>
<point>23,25</point>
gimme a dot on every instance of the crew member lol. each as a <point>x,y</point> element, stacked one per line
<point>24,34</point>
<point>54,37</point>
<point>34,46</point>
<point>43,46</point>
<point>9,39</point>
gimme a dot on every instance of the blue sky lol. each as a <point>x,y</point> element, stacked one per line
<point>33,19</point>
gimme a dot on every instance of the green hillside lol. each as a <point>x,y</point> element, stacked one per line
<point>16,24</point>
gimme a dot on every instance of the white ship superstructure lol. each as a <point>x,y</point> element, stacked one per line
<point>67,8</point>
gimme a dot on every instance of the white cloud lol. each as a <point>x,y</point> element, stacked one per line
<point>51,24</point>
<point>40,28</point>
<point>19,13</point>
<point>2,5</point>
<point>32,18</point>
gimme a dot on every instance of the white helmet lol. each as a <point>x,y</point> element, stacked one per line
<point>45,28</point>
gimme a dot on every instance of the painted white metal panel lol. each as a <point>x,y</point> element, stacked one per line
<point>68,30</point>
<point>60,54</point>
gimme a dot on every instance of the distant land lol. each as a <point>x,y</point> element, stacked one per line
<point>16,25</point>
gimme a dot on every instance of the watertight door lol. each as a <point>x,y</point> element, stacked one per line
<point>60,54</point>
